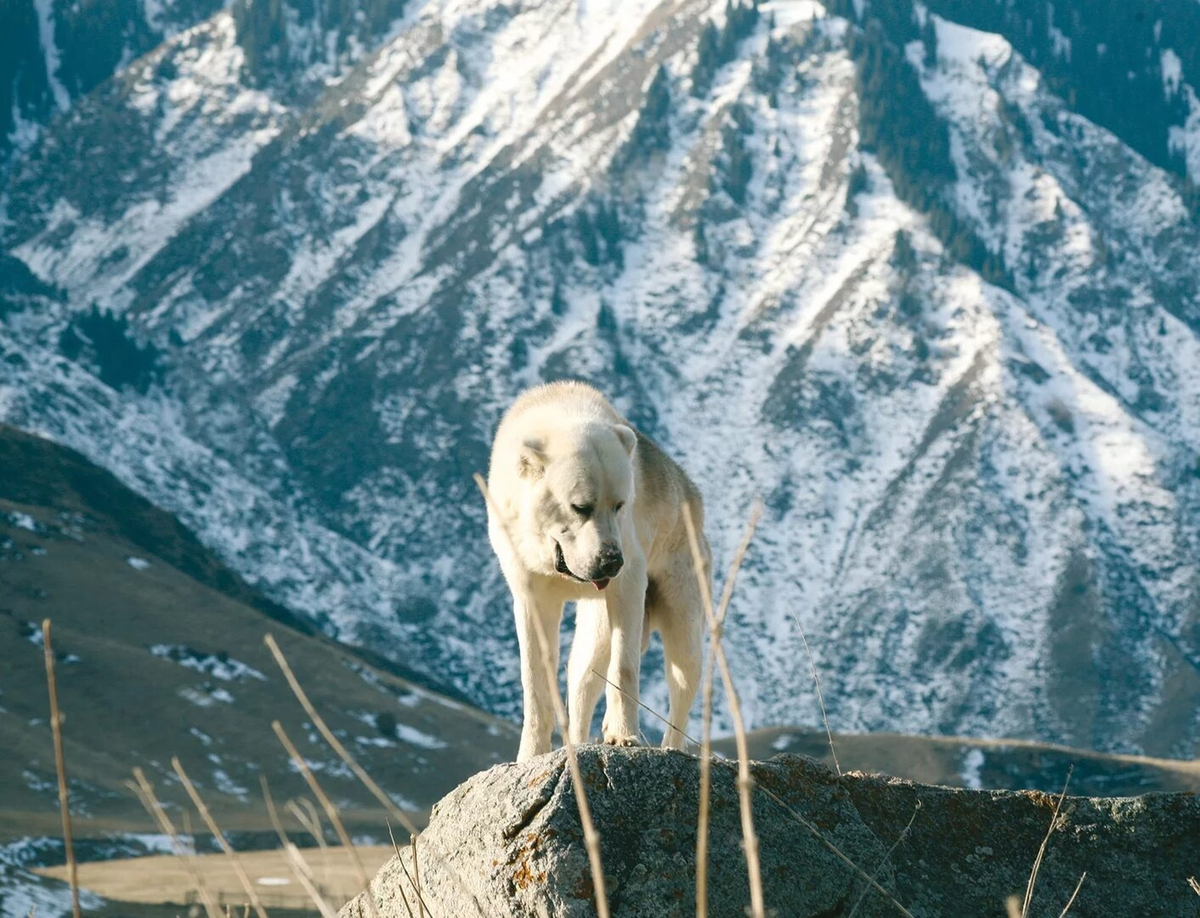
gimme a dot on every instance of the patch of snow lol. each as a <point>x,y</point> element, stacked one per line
<point>23,893</point>
<point>1062,44</point>
<point>138,564</point>
<point>50,52</point>
<point>1184,139</point>
<point>414,737</point>
<point>38,784</point>
<point>225,668</point>
<point>226,785</point>
<point>334,769</point>
<point>205,699</point>
<point>406,734</point>
<point>24,521</point>
<point>378,741</point>
<point>1172,72</point>
<point>972,766</point>
<point>788,13</point>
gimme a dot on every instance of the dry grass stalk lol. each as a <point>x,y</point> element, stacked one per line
<point>307,821</point>
<point>745,779</point>
<point>812,666</point>
<point>417,874</point>
<point>706,719</point>
<point>1195,884</point>
<point>886,857</point>
<point>310,821</point>
<point>1071,901</point>
<point>209,821</point>
<point>299,867</point>
<point>591,838</point>
<point>314,818</point>
<point>1037,863</point>
<point>376,791</point>
<point>144,791</point>
<point>60,765</point>
<point>323,728</point>
<point>779,801</point>
<point>331,811</point>
<point>408,876</point>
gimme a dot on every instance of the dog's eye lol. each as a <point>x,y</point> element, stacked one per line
<point>584,511</point>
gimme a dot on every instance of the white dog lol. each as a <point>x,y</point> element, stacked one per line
<point>586,510</point>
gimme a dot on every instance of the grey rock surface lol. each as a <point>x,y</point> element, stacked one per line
<point>508,842</point>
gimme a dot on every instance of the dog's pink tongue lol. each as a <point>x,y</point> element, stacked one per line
<point>600,584</point>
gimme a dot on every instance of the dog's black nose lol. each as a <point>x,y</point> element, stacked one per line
<point>609,565</point>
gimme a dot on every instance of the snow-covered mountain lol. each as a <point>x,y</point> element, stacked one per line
<point>868,264</point>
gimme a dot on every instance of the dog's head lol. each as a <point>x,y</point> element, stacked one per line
<point>577,486</point>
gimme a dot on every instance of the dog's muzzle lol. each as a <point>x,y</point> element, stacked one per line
<point>560,565</point>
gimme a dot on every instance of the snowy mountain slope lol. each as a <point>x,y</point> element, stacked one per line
<point>982,502</point>
<point>53,52</point>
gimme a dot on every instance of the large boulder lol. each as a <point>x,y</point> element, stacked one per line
<point>508,843</point>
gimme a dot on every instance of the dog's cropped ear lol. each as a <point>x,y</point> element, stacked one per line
<point>627,437</point>
<point>532,463</point>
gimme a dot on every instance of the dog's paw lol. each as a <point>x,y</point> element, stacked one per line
<point>620,739</point>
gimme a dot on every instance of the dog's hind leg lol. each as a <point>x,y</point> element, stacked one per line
<point>590,650</point>
<point>678,616</point>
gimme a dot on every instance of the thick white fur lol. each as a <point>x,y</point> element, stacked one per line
<point>562,446</point>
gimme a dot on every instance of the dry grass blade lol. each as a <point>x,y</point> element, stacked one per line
<point>886,857</point>
<point>745,780</point>
<point>1071,901</point>
<point>1195,884</point>
<point>299,867</point>
<point>706,719</point>
<point>144,791</point>
<point>331,812</point>
<point>1037,863</point>
<point>209,821</point>
<point>812,667</point>
<point>60,765</point>
<point>779,801</point>
<point>310,824</point>
<point>735,566</point>
<point>416,873</point>
<point>591,838</point>
<point>310,819</point>
<point>314,819</point>
<point>408,876</point>
<point>376,791</point>
<point>323,728</point>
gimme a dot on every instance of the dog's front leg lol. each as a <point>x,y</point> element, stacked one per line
<point>627,615</point>
<point>539,671</point>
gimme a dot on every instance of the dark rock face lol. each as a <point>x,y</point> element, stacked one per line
<point>510,839</point>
